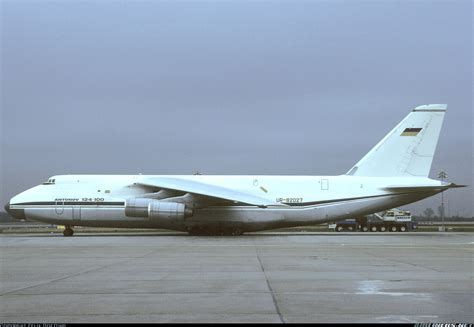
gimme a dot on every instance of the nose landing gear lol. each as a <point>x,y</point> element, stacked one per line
<point>68,231</point>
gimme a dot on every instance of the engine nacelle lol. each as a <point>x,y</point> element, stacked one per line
<point>156,210</point>
<point>137,207</point>
<point>168,210</point>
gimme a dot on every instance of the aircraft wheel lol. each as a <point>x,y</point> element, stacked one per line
<point>403,228</point>
<point>393,228</point>
<point>237,232</point>
<point>383,228</point>
<point>365,229</point>
<point>373,228</point>
<point>227,232</point>
<point>195,231</point>
<point>211,231</point>
<point>68,231</point>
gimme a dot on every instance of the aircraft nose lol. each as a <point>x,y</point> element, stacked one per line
<point>15,213</point>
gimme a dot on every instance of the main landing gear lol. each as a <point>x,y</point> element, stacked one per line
<point>195,231</point>
<point>68,231</point>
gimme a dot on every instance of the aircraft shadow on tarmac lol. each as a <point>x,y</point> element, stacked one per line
<point>258,235</point>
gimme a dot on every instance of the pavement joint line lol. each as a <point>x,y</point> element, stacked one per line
<point>403,262</point>
<point>323,246</point>
<point>275,303</point>
<point>396,294</point>
<point>383,293</point>
<point>151,293</point>
<point>72,275</point>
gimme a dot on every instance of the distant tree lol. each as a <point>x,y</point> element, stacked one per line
<point>5,217</point>
<point>428,212</point>
<point>441,211</point>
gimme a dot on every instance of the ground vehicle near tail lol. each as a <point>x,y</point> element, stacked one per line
<point>393,220</point>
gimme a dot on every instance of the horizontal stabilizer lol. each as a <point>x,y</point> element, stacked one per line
<point>421,188</point>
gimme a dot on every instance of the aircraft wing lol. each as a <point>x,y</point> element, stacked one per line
<point>205,191</point>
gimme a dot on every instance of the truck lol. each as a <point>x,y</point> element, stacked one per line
<point>393,220</point>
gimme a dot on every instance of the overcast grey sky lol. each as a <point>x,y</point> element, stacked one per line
<point>228,87</point>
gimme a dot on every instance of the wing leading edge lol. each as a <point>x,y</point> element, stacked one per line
<point>207,190</point>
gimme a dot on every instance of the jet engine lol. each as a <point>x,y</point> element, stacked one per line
<point>156,210</point>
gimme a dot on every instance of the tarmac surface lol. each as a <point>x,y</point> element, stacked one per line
<point>266,277</point>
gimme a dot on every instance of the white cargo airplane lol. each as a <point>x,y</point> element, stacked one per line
<point>394,173</point>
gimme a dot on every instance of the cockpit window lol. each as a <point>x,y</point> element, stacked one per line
<point>50,181</point>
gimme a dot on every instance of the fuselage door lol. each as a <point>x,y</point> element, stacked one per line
<point>59,207</point>
<point>324,184</point>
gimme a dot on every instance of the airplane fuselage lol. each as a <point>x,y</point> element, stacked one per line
<point>99,200</point>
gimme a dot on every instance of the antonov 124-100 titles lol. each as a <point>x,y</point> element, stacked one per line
<point>394,173</point>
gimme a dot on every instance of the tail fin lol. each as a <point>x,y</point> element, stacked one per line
<point>408,149</point>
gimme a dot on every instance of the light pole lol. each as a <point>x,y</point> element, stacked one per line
<point>442,175</point>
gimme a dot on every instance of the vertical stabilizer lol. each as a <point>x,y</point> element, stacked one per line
<point>408,149</point>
